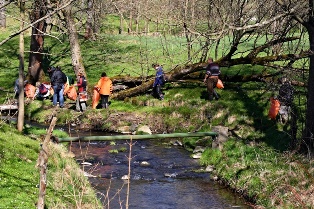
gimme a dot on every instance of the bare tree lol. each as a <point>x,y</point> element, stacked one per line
<point>20,119</point>
<point>3,22</point>
<point>77,60</point>
<point>89,21</point>
<point>35,70</point>
<point>303,12</point>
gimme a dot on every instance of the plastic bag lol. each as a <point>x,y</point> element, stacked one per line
<point>274,108</point>
<point>66,89</point>
<point>72,94</point>
<point>219,84</point>
<point>95,99</point>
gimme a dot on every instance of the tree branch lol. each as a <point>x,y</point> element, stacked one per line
<point>32,24</point>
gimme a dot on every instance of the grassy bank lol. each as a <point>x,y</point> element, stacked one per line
<point>67,187</point>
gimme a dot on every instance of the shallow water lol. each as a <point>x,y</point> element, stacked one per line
<point>162,176</point>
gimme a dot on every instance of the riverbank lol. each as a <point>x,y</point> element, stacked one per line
<point>67,187</point>
<point>250,163</point>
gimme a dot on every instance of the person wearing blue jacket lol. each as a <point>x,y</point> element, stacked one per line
<point>159,81</point>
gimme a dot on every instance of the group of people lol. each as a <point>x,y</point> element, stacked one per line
<point>61,85</point>
<point>285,94</point>
<point>59,80</point>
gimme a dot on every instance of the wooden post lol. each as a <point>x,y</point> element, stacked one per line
<point>42,164</point>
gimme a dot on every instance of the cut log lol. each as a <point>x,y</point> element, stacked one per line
<point>8,107</point>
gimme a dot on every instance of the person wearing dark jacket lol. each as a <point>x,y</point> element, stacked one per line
<point>211,78</point>
<point>58,79</point>
<point>159,81</point>
<point>285,98</point>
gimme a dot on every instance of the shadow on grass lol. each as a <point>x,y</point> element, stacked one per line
<point>255,108</point>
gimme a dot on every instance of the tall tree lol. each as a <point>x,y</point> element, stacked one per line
<point>3,22</point>
<point>76,57</point>
<point>20,119</point>
<point>35,70</point>
<point>308,136</point>
<point>303,13</point>
<point>89,25</point>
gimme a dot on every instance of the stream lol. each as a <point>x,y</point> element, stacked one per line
<point>162,176</point>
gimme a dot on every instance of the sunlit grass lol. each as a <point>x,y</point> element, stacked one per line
<point>19,176</point>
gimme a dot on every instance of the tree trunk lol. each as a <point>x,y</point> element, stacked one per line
<point>130,19</point>
<point>35,70</point>
<point>89,21</point>
<point>3,23</point>
<point>121,24</point>
<point>138,15</point>
<point>176,74</point>
<point>97,15</point>
<point>308,135</point>
<point>76,57</point>
<point>20,119</point>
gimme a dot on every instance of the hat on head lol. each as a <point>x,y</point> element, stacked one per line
<point>51,68</point>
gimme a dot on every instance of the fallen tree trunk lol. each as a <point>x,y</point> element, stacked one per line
<point>174,75</point>
<point>129,87</point>
<point>185,71</point>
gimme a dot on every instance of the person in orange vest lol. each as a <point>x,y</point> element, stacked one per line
<point>104,86</point>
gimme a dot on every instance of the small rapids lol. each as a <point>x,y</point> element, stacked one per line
<point>162,176</point>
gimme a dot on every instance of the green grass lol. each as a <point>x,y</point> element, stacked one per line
<point>19,176</point>
<point>255,170</point>
<point>19,179</point>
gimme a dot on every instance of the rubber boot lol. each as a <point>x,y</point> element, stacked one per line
<point>216,95</point>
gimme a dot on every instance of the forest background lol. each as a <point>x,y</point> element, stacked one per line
<point>254,42</point>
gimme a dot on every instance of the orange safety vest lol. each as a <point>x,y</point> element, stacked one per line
<point>105,86</point>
